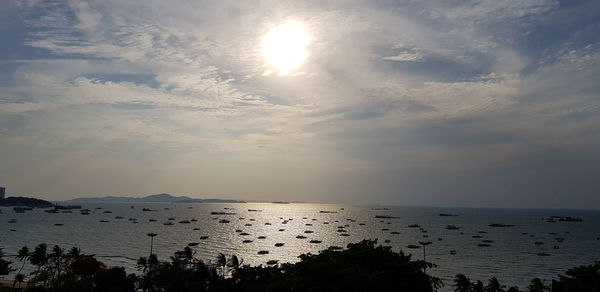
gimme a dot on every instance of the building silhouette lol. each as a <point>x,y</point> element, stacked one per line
<point>2,191</point>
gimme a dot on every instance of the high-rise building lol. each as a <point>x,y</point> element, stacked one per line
<point>2,190</point>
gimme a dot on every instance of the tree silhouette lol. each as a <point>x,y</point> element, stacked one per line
<point>536,285</point>
<point>462,283</point>
<point>494,286</point>
<point>39,258</point>
<point>5,267</point>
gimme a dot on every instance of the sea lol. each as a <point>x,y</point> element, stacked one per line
<point>528,246</point>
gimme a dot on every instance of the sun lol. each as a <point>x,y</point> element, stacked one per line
<point>285,46</point>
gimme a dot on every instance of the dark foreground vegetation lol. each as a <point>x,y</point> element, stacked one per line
<point>363,266</point>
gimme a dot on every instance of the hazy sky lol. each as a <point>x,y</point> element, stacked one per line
<point>416,102</point>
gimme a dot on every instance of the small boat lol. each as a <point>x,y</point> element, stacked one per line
<point>247,224</point>
<point>341,230</point>
<point>152,220</point>
<point>196,228</point>
<point>171,219</point>
<point>387,241</point>
<point>238,230</point>
<point>308,224</point>
<point>118,217</point>
<point>262,237</point>
<point>244,234</point>
<point>385,229</point>
<point>543,254</point>
<point>344,234</point>
<point>538,243</point>
<point>500,225</point>
<point>487,241</point>
<point>308,231</point>
<point>394,232</point>
<point>272,262</point>
<point>147,210</point>
<point>263,252</point>
<point>12,221</point>
<point>247,241</point>
<point>315,241</point>
<point>452,227</point>
<point>203,237</point>
<point>483,245</point>
<point>414,226</point>
<point>281,230</point>
<point>107,212</point>
<point>168,223</point>
<point>452,252</point>
<point>301,237</point>
<point>223,221</point>
<point>194,220</point>
<point>221,213</point>
<point>476,236</point>
<point>193,244</point>
<point>327,212</point>
<point>58,224</point>
<point>447,215</point>
<point>184,222</point>
<point>103,221</point>
<point>279,244</point>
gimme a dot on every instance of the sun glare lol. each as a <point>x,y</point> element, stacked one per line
<point>284,46</point>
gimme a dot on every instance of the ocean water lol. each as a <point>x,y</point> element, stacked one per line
<point>512,257</point>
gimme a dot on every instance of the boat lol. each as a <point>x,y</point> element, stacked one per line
<point>58,224</point>
<point>221,213</point>
<point>263,252</point>
<point>483,245</point>
<point>308,231</point>
<point>315,241</point>
<point>452,252</point>
<point>279,244</point>
<point>152,220</point>
<point>327,212</point>
<point>261,237</point>
<point>196,228</point>
<point>394,232</point>
<point>103,221</point>
<point>184,222</point>
<point>538,243</point>
<point>543,254</point>
<point>247,241</point>
<point>244,234</point>
<point>272,262</point>
<point>387,241</point>
<point>148,210</point>
<point>452,227</point>
<point>301,237</point>
<point>281,230</point>
<point>223,221</point>
<point>203,237</point>
<point>107,212</point>
<point>386,217</point>
<point>168,223</point>
<point>500,225</point>
<point>238,230</point>
<point>193,244</point>
<point>344,234</point>
<point>51,211</point>
<point>414,226</point>
<point>447,215</point>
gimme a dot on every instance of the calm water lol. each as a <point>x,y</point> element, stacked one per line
<point>512,257</point>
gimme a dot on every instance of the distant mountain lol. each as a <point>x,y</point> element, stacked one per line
<point>25,202</point>
<point>159,198</point>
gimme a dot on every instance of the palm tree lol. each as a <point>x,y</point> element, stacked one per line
<point>5,267</point>
<point>462,283</point>
<point>222,261</point>
<point>23,255</point>
<point>19,278</point>
<point>39,258</point>
<point>478,286</point>
<point>536,285</point>
<point>235,263</point>
<point>494,286</point>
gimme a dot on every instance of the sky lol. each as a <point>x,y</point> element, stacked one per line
<point>473,103</point>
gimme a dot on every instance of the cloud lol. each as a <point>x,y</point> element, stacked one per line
<point>392,96</point>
